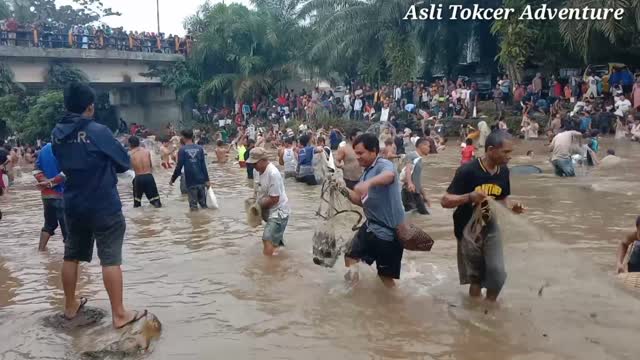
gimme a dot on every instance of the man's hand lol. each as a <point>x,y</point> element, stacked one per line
<point>621,269</point>
<point>411,187</point>
<point>477,197</point>
<point>207,184</point>
<point>43,185</point>
<point>170,183</point>
<point>518,208</point>
<point>362,188</point>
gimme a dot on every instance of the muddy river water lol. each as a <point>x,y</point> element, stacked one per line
<point>204,276</point>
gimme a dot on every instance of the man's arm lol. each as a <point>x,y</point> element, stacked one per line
<point>408,172</point>
<point>203,166</point>
<point>623,247</point>
<point>339,158</point>
<point>105,141</point>
<point>178,170</point>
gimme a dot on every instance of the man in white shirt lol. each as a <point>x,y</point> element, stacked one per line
<point>623,104</point>
<point>271,197</point>
<point>357,109</point>
<point>398,95</point>
<point>562,147</point>
<point>384,112</point>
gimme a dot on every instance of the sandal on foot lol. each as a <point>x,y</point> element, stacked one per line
<point>83,302</point>
<point>137,317</point>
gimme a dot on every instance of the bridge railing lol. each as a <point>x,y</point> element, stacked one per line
<point>51,40</point>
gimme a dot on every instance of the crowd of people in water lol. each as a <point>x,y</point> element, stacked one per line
<point>376,163</point>
<point>51,35</point>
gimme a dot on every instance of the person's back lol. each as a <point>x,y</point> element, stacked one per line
<point>90,157</point>
<point>192,157</point>
<point>141,161</point>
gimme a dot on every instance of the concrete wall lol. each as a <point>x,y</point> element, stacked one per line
<point>151,106</point>
<point>136,98</point>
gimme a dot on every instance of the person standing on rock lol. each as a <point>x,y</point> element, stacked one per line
<point>473,183</point>
<point>90,157</point>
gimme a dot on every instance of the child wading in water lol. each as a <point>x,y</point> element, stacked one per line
<point>468,152</point>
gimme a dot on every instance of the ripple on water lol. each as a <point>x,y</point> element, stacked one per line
<point>203,274</point>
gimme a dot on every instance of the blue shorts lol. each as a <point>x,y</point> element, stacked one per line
<point>274,231</point>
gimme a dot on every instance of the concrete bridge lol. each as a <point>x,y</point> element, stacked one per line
<point>135,98</point>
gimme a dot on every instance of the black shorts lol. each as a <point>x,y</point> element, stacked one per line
<point>309,180</point>
<point>54,216</point>
<point>351,184</point>
<point>106,231</point>
<point>387,255</point>
<point>414,201</point>
<point>145,185</point>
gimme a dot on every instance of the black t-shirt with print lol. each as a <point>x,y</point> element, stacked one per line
<point>470,177</point>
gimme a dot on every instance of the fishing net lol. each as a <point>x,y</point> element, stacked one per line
<point>339,221</point>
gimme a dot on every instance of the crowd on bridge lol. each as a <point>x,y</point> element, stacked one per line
<point>55,36</point>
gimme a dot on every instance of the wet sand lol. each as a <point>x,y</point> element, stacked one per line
<point>204,276</point>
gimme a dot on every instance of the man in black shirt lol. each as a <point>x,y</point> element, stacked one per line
<point>473,183</point>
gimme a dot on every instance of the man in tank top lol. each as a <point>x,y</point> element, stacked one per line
<point>288,158</point>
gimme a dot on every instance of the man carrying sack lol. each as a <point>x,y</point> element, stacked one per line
<point>480,256</point>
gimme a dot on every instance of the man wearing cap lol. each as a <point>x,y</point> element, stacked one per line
<point>271,197</point>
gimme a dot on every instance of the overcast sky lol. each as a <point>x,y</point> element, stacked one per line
<point>140,15</point>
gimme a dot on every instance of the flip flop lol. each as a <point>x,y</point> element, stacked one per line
<point>137,317</point>
<point>83,302</point>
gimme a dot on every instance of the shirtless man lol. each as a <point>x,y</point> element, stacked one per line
<point>166,149</point>
<point>14,158</point>
<point>143,183</point>
<point>347,161</point>
<point>634,258</point>
<point>222,152</point>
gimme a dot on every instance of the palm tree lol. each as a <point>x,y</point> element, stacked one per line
<point>241,52</point>
<point>581,36</point>
<point>371,32</point>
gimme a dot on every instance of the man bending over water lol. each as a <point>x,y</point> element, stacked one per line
<point>632,240</point>
<point>272,199</point>
<point>473,183</point>
<point>143,183</point>
<point>90,157</point>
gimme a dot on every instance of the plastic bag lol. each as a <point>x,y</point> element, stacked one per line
<point>212,202</point>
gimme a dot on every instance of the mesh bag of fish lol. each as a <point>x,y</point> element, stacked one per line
<point>337,224</point>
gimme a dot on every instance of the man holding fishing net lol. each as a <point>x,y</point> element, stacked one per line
<point>378,192</point>
<point>480,256</point>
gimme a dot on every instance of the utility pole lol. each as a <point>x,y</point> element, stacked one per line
<point>158,14</point>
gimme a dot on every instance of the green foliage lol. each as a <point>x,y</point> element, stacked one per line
<point>61,74</point>
<point>44,112</point>
<point>84,12</point>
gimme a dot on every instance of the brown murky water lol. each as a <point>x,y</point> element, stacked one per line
<point>203,274</point>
